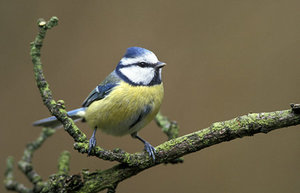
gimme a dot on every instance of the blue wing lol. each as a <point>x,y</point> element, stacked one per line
<point>103,89</point>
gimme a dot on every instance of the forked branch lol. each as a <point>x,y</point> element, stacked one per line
<point>131,164</point>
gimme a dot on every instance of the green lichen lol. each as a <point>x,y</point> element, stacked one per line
<point>64,163</point>
<point>170,128</point>
<point>9,169</point>
<point>132,164</point>
<point>127,158</point>
<point>48,132</point>
<point>36,179</point>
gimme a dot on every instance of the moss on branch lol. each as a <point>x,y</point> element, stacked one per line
<point>9,182</point>
<point>64,163</point>
<point>26,166</point>
<point>55,108</point>
<point>170,151</point>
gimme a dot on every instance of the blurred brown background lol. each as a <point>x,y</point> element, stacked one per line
<point>225,58</point>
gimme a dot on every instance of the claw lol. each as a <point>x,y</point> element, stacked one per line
<point>92,143</point>
<point>150,149</point>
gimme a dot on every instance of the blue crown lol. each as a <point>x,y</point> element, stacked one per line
<point>133,52</point>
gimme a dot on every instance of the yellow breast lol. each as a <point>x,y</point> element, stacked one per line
<point>116,113</point>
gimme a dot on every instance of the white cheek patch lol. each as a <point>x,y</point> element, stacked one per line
<point>148,58</point>
<point>138,74</point>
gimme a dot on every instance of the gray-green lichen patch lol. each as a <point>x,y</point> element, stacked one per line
<point>64,163</point>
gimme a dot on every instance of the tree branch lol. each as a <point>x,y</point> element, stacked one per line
<point>25,165</point>
<point>64,163</point>
<point>132,164</point>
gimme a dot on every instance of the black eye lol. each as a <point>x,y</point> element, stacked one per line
<point>142,64</point>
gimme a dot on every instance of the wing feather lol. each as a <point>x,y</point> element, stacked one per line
<point>103,89</point>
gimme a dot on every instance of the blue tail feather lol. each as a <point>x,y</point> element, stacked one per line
<point>52,122</point>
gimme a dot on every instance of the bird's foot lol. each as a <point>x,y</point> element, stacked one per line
<point>150,149</point>
<point>92,144</point>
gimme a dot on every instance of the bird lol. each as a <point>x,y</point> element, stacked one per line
<point>125,101</point>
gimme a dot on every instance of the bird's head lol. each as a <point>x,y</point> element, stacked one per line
<point>140,66</point>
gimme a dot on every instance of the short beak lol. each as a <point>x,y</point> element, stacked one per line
<point>160,65</point>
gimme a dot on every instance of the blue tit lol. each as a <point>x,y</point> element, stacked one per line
<point>125,102</point>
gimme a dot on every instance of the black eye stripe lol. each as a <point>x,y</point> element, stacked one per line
<point>140,64</point>
<point>143,64</point>
<point>155,81</point>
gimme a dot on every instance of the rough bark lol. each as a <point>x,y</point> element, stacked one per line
<point>129,164</point>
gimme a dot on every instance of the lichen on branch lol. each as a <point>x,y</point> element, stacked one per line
<point>170,151</point>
